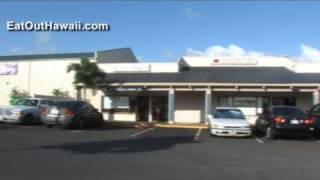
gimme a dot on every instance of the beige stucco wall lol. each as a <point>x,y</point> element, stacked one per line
<point>305,101</point>
<point>121,116</point>
<point>38,77</point>
<point>47,75</point>
<point>189,107</point>
<point>95,99</point>
<point>41,77</point>
<point>8,82</point>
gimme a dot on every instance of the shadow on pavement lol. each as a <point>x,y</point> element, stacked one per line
<point>118,126</point>
<point>8,126</point>
<point>144,144</point>
<point>106,128</point>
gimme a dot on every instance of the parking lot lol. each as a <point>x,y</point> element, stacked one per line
<point>35,152</point>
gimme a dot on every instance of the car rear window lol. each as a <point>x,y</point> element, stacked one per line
<point>288,111</point>
<point>68,104</point>
<point>26,102</point>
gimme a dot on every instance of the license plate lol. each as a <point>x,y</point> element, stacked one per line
<point>294,122</point>
<point>54,111</point>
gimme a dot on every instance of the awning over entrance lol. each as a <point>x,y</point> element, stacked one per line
<point>241,75</point>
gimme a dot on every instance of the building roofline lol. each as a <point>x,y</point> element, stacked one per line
<point>117,55</point>
<point>187,84</point>
<point>46,56</point>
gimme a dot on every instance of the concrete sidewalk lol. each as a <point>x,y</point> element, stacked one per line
<point>179,125</point>
<point>156,124</point>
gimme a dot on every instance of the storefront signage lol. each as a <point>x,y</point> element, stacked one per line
<point>129,89</point>
<point>234,61</point>
<point>131,68</point>
<point>8,69</point>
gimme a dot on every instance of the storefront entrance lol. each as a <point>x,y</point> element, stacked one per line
<point>152,108</point>
<point>159,108</point>
<point>142,108</point>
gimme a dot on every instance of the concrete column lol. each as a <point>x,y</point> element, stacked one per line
<point>29,77</point>
<point>316,97</point>
<point>78,93</point>
<point>207,105</point>
<point>150,109</point>
<point>171,106</point>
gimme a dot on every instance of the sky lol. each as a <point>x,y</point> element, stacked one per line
<point>165,31</point>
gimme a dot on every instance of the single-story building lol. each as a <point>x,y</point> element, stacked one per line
<point>184,91</point>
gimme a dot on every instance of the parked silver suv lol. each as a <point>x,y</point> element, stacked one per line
<point>24,111</point>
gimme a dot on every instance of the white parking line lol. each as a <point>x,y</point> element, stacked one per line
<point>197,135</point>
<point>76,131</point>
<point>29,127</point>
<point>259,140</point>
<point>142,132</point>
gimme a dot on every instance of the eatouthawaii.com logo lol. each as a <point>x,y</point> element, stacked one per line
<point>54,26</point>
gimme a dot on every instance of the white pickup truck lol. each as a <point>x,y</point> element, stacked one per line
<point>24,111</point>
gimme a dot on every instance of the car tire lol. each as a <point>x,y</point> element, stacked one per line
<point>270,134</point>
<point>80,124</point>
<point>28,119</point>
<point>256,131</point>
<point>100,122</point>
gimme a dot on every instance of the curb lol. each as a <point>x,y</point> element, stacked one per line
<point>181,126</point>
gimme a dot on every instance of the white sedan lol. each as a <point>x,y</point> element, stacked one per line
<point>227,121</point>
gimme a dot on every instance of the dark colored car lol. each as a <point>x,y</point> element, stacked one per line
<point>72,114</point>
<point>285,120</point>
<point>314,112</point>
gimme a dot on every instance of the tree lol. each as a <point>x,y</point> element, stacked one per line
<point>17,94</point>
<point>59,93</point>
<point>86,74</point>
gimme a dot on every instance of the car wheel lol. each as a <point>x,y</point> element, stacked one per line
<point>101,122</point>
<point>269,133</point>
<point>28,119</point>
<point>256,131</point>
<point>80,124</point>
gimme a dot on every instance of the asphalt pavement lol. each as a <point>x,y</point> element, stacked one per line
<point>38,153</point>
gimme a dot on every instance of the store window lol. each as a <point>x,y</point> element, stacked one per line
<point>118,103</point>
<point>248,105</point>
<point>244,101</point>
<point>225,101</point>
<point>316,109</point>
<point>237,101</point>
<point>284,101</point>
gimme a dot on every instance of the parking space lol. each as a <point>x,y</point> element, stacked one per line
<point>35,152</point>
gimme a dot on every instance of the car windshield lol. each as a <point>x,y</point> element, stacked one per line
<point>228,114</point>
<point>288,111</point>
<point>26,102</point>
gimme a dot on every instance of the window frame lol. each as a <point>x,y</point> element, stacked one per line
<point>313,109</point>
<point>121,110</point>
